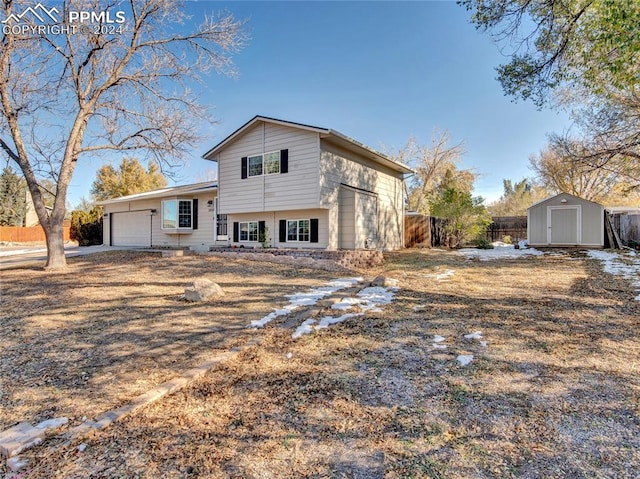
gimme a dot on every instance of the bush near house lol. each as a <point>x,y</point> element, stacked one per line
<point>86,227</point>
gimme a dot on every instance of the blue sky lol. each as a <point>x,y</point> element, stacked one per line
<point>379,72</point>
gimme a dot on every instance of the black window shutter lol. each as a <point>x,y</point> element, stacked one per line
<point>313,235</point>
<point>243,172</point>
<point>236,231</point>
<point>283,231</point>
<point>284,161</point>
<point>262,226</point>
<point>194,214</point>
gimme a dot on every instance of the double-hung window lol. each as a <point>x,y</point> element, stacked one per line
<point>255,165</point>
<point>177,214</point>
<point>271,163</point>
<point>249,231</point>
<point>298,230</point>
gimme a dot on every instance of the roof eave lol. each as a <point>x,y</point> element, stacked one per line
<point>213,151</point>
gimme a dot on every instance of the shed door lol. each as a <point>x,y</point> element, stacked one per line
<point>563,225</point>
<point>131,228</point>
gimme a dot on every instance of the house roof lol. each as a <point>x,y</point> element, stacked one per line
<point>330,135</point>
<point>193,188</point>
<point>561,194</point>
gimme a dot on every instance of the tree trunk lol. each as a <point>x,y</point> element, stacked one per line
<point>54,233</point>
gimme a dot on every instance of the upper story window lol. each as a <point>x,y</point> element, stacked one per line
<point>178,214</point>
<point>266,164</point>
<point>255,165</point>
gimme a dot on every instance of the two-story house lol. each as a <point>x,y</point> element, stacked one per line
<point>280,183</point>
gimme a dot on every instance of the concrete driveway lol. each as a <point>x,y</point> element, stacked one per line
<point>22,257</point>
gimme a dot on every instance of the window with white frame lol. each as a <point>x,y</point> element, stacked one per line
<point>269,164</point>
<point>298,230</point>
<point>177,214</point>
<point>255,165</point>
<point>272,163</point>
<point>249,231</point>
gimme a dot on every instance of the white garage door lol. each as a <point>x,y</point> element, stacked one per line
<point>131,228</point>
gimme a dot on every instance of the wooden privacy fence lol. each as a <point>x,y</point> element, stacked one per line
<point>423,230</point>
<point>428,230</point>
<point>31,234</point>
<point>501,226</point>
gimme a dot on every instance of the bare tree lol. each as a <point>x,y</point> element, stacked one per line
<point>431,163</point>
<point>119,83</point>
<point>557,171</point>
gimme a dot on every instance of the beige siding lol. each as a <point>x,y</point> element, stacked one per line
<point>347,218</point>
<point>272,221</point>
<point>341,167</point>
<point>201,238</point>
<point>277,192</point>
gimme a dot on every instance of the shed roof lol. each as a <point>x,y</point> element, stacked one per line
<point>193,188</point>
<point>330,135</point>
<point>551,198</point>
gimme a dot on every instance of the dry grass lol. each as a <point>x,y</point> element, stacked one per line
<point>554,394</point>
<point>115,325</point>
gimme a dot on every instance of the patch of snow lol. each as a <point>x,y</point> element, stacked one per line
<point>420,307</point>
<point>500,251</point>
<point>465,359</point>
<point>305,328</point>
<point>329,320</point>
<point>439,346</point>
<point>346,303</point>
<point>307,298</point>
<point>619,264</point>
<point>474,335</point>
<point>368,300</point>
<point>523,244</point>
<point>446,274</point>
<point>438,339</point>
<point>289,355</point>
<point>483,344</point>
<point>82,447</point>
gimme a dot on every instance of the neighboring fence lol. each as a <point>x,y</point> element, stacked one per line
<point>423,230</point>
<point>513,226</point>
<point>31,234</point>
<point>627,226</point>
<point>428,231</point>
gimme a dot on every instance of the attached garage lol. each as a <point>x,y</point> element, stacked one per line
<point>566,220</point>
<point>130,228</point>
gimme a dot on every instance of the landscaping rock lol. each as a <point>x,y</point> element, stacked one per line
<point>203,290</point>
<point>18,438</point>
<point>16,464</point>
<point>384,282</point>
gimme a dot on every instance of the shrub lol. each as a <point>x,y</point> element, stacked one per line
<point>483,243</point>
<point>506,239</point>
<point>86,227</point>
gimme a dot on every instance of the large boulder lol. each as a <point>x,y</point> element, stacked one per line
<point>203,290</point>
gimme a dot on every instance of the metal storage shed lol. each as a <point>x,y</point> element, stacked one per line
<point>566,220</point>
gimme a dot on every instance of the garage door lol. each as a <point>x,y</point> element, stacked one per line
<point>131,228</point>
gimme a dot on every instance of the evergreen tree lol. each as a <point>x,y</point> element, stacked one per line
<point>13,202</point>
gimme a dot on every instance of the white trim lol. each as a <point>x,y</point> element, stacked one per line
<point>297,240</point>
<point>240,240</point>
<point>578,209</point>
<point>177,228</point>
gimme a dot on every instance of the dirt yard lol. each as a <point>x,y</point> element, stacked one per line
<point>551,390</point>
